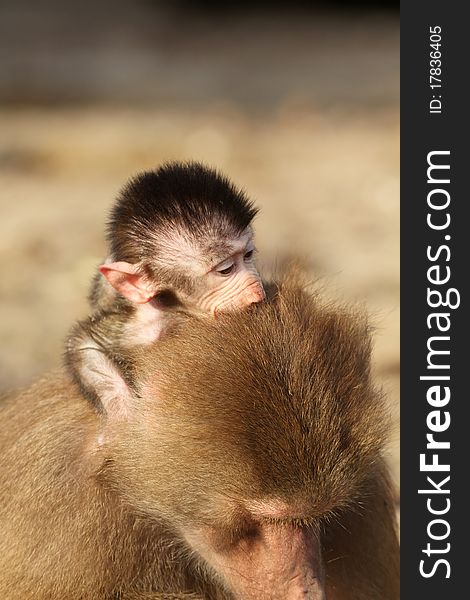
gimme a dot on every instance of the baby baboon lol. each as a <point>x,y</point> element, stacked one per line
<point>180,242</point>
<point>244,463</point>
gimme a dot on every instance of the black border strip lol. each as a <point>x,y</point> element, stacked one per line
<point>422,133</point>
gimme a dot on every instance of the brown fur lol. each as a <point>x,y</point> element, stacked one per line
<point>273,402</point>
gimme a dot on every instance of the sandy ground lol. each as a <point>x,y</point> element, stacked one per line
<point>323,167</point>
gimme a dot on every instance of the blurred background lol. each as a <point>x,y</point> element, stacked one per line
<point>296,101</point>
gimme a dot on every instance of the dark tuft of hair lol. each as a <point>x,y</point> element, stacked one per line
<point>184,195</point>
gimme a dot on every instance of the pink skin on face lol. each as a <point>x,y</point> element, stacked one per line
<point>232,284</point>
<point>271,560</point>
<point>281,562</point>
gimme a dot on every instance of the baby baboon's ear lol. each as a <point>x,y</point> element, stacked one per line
<point>129,281</point>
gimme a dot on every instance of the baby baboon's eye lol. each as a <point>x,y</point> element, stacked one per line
<point>227,270</point>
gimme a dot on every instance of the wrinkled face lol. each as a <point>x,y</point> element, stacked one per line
<point>231,283</point>
<point>220,273</point>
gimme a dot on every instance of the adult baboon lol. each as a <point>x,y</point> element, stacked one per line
<point>242,461</point>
